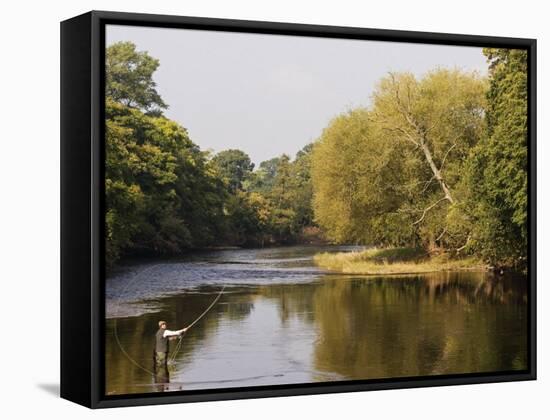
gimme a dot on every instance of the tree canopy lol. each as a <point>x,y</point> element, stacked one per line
<point>234,166</point>
<point>391,174</point>
<point>437,162</point>
<point>129,78</point>
<point>162,196</point>
<point>497,168</point>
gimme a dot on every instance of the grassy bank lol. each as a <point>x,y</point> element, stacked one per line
<point>394,261</point>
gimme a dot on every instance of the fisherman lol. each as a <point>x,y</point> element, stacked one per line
<point>161,343</point>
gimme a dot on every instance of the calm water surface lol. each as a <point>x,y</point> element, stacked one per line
<point>281,320</point>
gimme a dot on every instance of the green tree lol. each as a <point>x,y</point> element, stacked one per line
<point>497,167</point>
<point>285,186</point>
<point>162,194</point>
<point>249,216</point>
<point>283,216</point>
<point>144,160</point>
<point>124,197</point>
<point>263,179</point>
<point>302,188</point>
<point>392,174</point>
<point>438,120</point>
<point>357,177</point>
<point>234,166</point>
<point>129,78</point>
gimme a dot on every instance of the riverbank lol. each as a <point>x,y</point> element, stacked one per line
<point>394,261</point>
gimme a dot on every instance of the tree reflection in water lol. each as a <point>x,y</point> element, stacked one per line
<point>436,324</point>
<point>335,327</point>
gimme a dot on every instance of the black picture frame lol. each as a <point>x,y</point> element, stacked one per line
<point>82,227</point>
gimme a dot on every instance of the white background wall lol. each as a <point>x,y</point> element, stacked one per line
<point>29,207</point>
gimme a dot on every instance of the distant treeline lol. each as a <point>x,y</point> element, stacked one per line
<point>438,163</point>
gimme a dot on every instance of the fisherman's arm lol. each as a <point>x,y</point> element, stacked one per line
<point>169,333</point>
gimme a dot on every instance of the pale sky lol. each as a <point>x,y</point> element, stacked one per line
<point>273,94</point>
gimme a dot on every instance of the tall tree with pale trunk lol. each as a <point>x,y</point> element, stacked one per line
<point>439,118</point>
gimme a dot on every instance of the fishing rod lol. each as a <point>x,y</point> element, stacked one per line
<point>207,309</point>
<point>178,346</point>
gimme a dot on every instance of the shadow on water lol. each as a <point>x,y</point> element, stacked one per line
<point>332,327</point>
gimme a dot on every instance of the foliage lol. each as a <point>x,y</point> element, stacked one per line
<point>438,119</point>
<point>129,78</point>
<point>391,175</point>
<point>262,180</point>
<point>234,167</point>
<point>437,163</point>
<point>161,194</point>
<point>164,195</point>
<point>290,193</point>
<point>356,177</point>
<point>497,167</point>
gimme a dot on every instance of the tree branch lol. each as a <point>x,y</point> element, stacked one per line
<point>420,141</point>
<point>465,245</point>
<point>427,209</point>
<point>445,157</point>
<point>408,136</point>
<point>427,184</point>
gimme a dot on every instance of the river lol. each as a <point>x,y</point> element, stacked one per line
<point>281,320</point>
